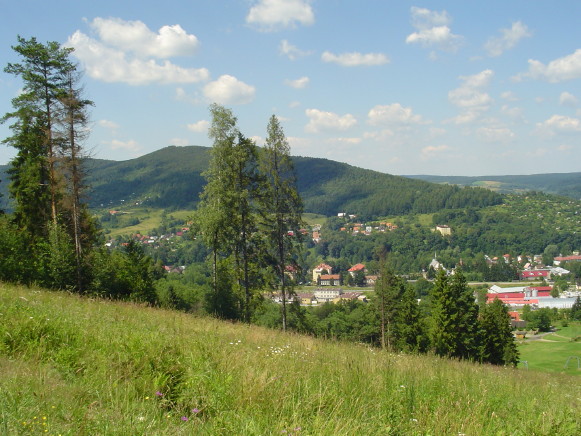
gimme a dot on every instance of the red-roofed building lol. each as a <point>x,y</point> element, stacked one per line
<point>329,280</point>
<point>558,260</point>
<point>535,274</point>
<point>356,268</point>
<point>319,269</point>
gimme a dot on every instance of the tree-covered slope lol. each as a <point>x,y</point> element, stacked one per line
<point>172,177</point>
<point>567,184</point>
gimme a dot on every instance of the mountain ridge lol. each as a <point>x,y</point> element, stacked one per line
<point>172,177</point>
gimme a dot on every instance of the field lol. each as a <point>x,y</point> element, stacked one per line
<point>552,351</point>
<point>80,366</point>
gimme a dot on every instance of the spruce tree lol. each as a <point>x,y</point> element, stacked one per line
<point>497,345</point>
<point>454,317</point>
<point>281,209</point>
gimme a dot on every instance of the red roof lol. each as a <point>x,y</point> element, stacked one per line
<point>565,258</point>
<point>535,273</point>
<point>330,277</point>
<point>541,288</point>
<point>506,295</point>
<point>358,267</point>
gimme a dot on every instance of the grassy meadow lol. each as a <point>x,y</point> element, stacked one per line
<point>79,366</point>
<point>552,351</point>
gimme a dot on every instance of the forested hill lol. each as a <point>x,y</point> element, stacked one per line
<point>172,177</point>
<point>566,184</point>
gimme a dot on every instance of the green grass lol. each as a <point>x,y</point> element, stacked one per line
<point>552,352</point>
<point>150,218</point>
<point>80,366</point>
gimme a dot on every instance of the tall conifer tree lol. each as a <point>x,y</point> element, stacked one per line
<point>281,209</point>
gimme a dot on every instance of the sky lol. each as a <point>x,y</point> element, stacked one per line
<point>403,87</point>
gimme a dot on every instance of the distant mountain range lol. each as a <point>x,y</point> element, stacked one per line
<point>172,178</point>
<point>565,184</point>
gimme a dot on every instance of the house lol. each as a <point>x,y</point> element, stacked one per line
<point>329,280</point>
<point>291,272</point>
<point>351,296</point>
<point>306,299</point>
<point>575,258</point>
<point>316,237</point>
<point>320,269</point>
<point>370,280</point>
<point>327,294</point>
<point>356,268</point>
<point>444,230</point>
<point>535,274</point>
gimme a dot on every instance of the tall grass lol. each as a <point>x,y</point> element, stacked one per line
<point>79,366</point>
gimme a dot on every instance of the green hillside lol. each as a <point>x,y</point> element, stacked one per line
<point>172,177</point>
<point>566,184</point>
<point>73,365</point>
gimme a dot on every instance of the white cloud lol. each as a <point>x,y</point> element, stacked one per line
<point>433,150</point>
<point>508,39</point>
<point>107,124</point>
<point>568,99</point>
<point>514,113</point>
<point>355,59</point>
<point>130,145</point>
<point>380,136</point>
<point>199,126</point>
<point>269,15</point>
<point>558,70</point>
<point>229,90</point>
<point>392,114</point>
<point>346,141</point>
<point>298,83</point>
<point>180,142</point>
<point>509,96</point>
<point>433,30</point>
<point>495,134</point>
<point>559,124</point>
<point>321,120</point>
<point>136,37</point>
<point>291,51</point>
<point>111,65</point>
<point>470,97</point>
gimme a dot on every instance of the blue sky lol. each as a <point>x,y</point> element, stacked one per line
<point>403,87</point>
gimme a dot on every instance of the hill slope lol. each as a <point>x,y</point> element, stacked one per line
<point>566,184</point>
<point>71,365</point>
<point>171,177</point>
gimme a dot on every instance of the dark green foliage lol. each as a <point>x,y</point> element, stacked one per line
<point>576,309</point>
<point>497,345</point>
<point>539,319</point>
<point>454,317</point>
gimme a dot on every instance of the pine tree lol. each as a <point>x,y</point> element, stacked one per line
<point>281,209</point>
<point>44,71</point>
<point>454,317</point>
<point>497,345</point>
<point>389,289</point>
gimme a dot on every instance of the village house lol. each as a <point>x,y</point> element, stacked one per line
<point>306,299</point>
<point>356,268</point>
<point>444,230</point>
<point>320,269</point>
<point>329,280</point>
<point>327,294</point>
<point>350,296</point>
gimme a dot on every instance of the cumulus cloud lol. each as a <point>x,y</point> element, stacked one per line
<point>558,70</point>
<point>495,134</point>
<point>130,145</point>
<point>325,121</point>
<point>107,124</point>
<point>470,97</point>
<point>298,83</point>
<point>559,124</point>
<point>509,38</point>
<point>229,90</point>
<point>433,150</point>
<point>392,114</point>
<point>568,99</point>
<point>287,49</point>
<point>433,30</point>
<point>345,141</point>
<point>355,59</point>
<point>199,126</point>
<point>136,37</point>
<point>108,64</point>
<point>270,15</point>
